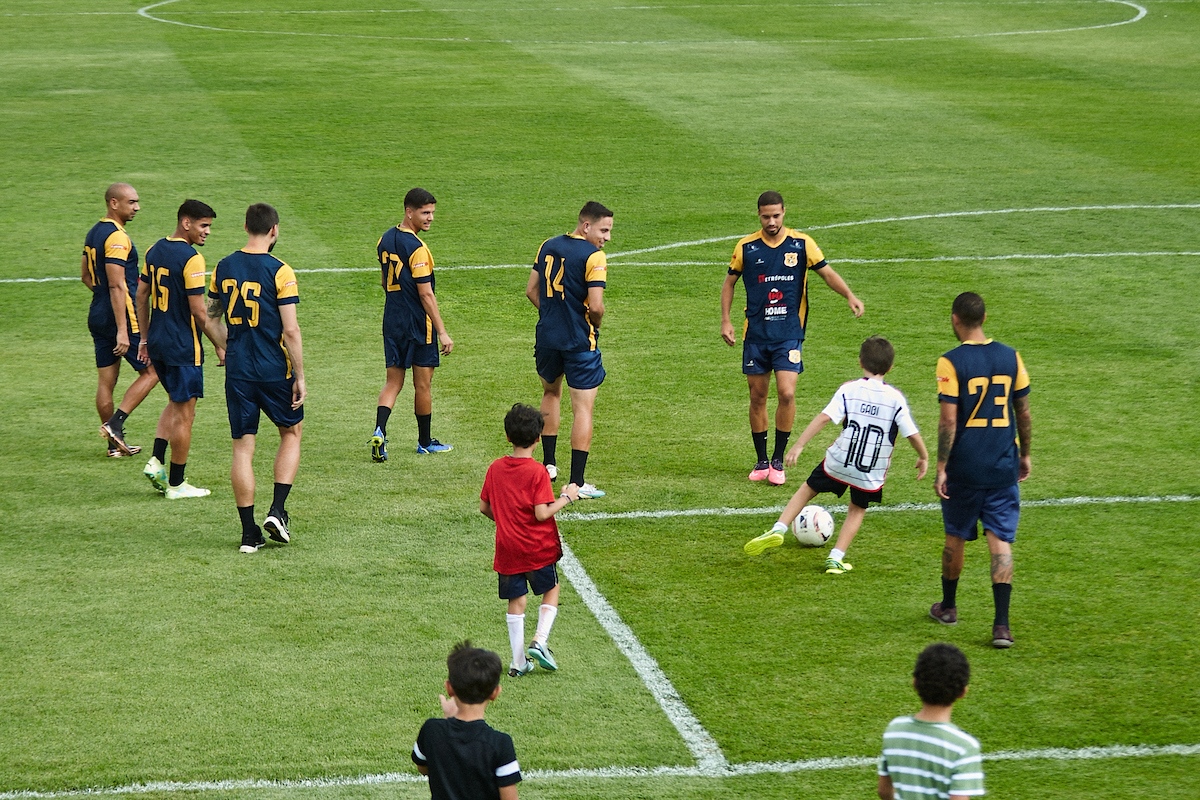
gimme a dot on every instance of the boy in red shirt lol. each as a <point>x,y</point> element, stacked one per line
<point>518,496</point>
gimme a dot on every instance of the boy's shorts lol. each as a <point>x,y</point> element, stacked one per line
<point>181,382</point>
<point>584,370</point>
<point>403,352</point>
<point>820,481</point>
<point>997,509</point>
<point>246,399</point>
<point>540,581</point>
<point>785,356</point>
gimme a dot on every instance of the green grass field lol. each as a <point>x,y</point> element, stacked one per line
<point>1040,153</point>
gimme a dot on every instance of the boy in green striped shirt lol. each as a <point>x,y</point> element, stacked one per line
<point>925,755</point>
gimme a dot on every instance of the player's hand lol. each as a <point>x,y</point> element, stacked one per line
<point>939,484</point>
<point>856,305</point>
<point>299,393</point>
<point>571,490</point>
<point>122,343</point>
<point>1025,468</point>
<point>922,467</point>
<point>446,344</point>
<point>793,455</point>
<point>449,706</point>
<point>727,333</point>
<point>220,356</point>
<point>143,352</point>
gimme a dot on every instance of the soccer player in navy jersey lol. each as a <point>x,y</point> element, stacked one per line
<point>110,270</point>
<point>984,435</point>
<point>252,309</point>
<point>170,309</point>
<point>566,286</point>
<point>775,263</point>
<point>411,320</point>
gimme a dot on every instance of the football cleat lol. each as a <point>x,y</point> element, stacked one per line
<point>184,491</point>
<point>114,451</point>
<point>116,437</point>
<point>835,567</point>
<point>775,473</point>
<point>434,446</point>
<point>276,526</point>
<point>946,616</point>
<point>552,471</point>
<point>771,538</point>
<point>590,492</point>
<point>250,544</point>
<point>1002,637</point>
<point>760,471</point>
<point>378,446</point>
<point>518,672</point>
<point>543,655</point>
<point>156,473</point>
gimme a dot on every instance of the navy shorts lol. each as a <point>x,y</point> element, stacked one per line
<point>182,383</point>
<point>785,356</point>
<point>247,398</point>
<point>997,509</point>
<point>820,481</point>
<point>540,581</point>
<point>105,357</point>
<point>584,370</point>
<point>404,353</point>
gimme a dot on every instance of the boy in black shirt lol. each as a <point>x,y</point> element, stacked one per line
<point>463,756</point>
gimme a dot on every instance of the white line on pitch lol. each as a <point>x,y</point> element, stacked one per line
<point>703,747</point>
<point>1051,502</point>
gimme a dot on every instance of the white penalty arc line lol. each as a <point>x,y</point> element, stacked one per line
<point>1050,502</point>
<point>144,11</point>
<point>748,768</point>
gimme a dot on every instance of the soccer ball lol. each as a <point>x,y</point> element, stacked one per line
<point>813,526</point>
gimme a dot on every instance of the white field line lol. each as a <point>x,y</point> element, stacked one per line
<point>1051,502</point>
<point>701,744</point>
<point>748,768</point>
<point>1138,16</point>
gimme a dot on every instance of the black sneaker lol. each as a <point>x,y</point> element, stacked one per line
<point>251,544</point>
<point>276,526</point>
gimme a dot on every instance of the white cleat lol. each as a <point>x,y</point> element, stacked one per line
<point>590,492</point>
<point>185,490</point>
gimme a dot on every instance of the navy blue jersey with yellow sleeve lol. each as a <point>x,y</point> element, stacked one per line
<point>406,262</point>
<point>983,379</point>
<point>253,286</point>
<point>174,271</point>
<point>776,281</point>
<point>567,266</point>
<point>108,243</point>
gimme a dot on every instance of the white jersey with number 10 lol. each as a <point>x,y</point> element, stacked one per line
<point>871,414</point>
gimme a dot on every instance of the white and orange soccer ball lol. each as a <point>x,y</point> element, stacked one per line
<point>813,526</point>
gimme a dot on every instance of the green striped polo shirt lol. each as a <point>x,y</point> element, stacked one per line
<point>930,759</point>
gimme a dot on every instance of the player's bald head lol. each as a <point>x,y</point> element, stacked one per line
<point>118,191</point>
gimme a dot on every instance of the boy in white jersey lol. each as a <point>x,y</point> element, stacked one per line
<point>871,413</point>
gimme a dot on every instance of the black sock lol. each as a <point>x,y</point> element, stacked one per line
<point>781,440</point>
<point>177,473</point>
<point>118,419</point>
<point>381,418</point>
<point>281,496</point>
<point>423,422</point>
<point>549,443</point>
<point>578,465</point>
<point>160,449</point>
<point>1001,595</point>
<point>760,444</point>
<point>246,513</point>
<point>949,590</point>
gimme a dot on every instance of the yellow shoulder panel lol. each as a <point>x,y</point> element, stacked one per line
<point>285,282</point>
<point>947,378</point>
<point>193,272</point>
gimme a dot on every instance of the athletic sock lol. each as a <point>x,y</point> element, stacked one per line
<point>549,443</point>
<point>423,423</point>
<point>781,440</point>
<point>516,638</point>
<point>546,615</point>
<point>281,496</point>
<point>837,555</point>
<point>779,527</point>
<point>246,514</point>
<point>176,473</point>
<point>118,419</point>
<point>1001,595</point>
<point>760,444</point>
<point>949,590</point>
<point>381,418</point>
<point>578,465</point>
<point>160,450</point>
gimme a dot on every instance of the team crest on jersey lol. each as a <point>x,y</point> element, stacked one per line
<point>791,259</point>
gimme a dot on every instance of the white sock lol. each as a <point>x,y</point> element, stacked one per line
<point>516,638</point>
<point>546,615</point>
<point>779,527</point>
<point>837,555</point>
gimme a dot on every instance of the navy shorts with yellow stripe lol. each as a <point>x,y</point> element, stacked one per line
<point>998,510</point>
<point>785,356</point>
<point>246,399</point>
<point>181,382</point>
<point>584,370</point>
<point>539,580</point>
<point>403,352</point>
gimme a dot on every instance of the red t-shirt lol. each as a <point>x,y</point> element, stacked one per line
<point>512,487</point>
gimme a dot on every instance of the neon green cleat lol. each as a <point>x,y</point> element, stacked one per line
<point>835,567</point>
<point>185,490</point>
<point>772,538</point>
<point>156,473</point>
